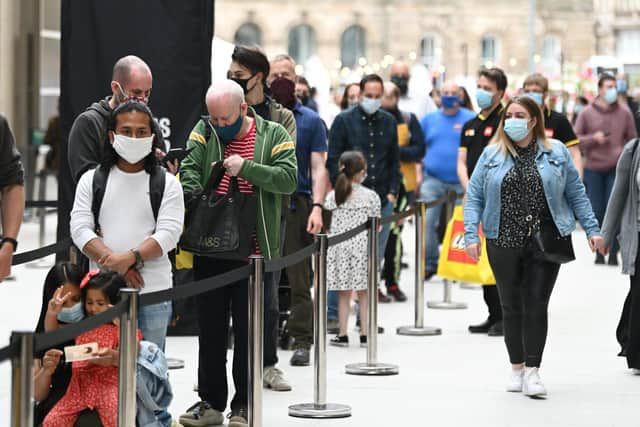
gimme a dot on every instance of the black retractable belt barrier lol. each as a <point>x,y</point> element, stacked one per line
<point>54,248</point>
<point>41,204</point>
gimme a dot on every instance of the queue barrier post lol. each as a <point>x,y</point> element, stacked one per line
<point>22,381</point>
<point>127,359</point>
<point>256,331</point>
<point>418,329</point>
<point>447,302</point>
<point>320,408</point>
<point>372,366</point>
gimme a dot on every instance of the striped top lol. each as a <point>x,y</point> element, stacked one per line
<point>244,148</point>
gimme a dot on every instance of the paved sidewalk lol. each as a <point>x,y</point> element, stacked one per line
<point>456,379</point>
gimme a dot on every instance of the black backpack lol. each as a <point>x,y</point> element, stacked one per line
<point>156,192</point>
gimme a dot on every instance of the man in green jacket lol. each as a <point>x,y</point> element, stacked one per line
<point>250,69</point>
<point>262,155</point>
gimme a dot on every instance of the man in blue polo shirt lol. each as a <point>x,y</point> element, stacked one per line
<point>442,135</point>
<point>304,216</point>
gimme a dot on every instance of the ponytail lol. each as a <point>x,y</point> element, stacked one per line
<point>351,163</point>
<point>343,188</point>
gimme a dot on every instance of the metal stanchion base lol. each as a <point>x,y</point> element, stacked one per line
<point>173,363</point>
<point>374,369</point>
<point>447,305</point>
<point>311,410</point>
<point>418,332</point>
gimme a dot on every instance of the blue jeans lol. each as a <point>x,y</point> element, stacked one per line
<point>153,321</point>
<point>432,189</point>
<point>599,186</point>
<point>332,305</point>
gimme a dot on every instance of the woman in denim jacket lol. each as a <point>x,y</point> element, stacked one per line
<point>523,180</point>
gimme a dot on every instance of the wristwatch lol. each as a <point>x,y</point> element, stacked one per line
<point>14,242</point>
<point>139,261</point>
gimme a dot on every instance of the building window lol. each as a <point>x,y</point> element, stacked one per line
<point>628,45</point>
<point>489,51</point>
<point>302,43</point>
<point>353,45</point>
<point>430,50</point>
<point>248,34</point>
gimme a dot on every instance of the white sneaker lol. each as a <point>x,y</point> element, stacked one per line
<point>274,379</point>
<point>515,381</point>
<point>532,384</point>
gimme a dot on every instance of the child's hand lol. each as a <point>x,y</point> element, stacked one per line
<point>106,357</point>
<point>56,303</point>
<point>118,261</point>
<point>51,360</point>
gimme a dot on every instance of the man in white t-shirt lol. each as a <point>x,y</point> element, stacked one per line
<point>129,238</point>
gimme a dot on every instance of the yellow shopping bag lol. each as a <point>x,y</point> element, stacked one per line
<point>454,263</point>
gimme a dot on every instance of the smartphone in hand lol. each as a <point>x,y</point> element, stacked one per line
<point>176,154</point>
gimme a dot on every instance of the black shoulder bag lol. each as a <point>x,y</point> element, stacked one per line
<point>220,225</point>
<point>554,247</point>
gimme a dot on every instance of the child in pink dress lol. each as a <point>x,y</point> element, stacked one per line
<point>94,384</point>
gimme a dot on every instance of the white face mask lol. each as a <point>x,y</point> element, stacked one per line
<point>132,150</point>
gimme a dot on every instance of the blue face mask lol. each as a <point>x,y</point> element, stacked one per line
<point>72,314</point>
<point>516,129</point>
<point>536,96</point>
<point>450,101</point>
<point>227,133</point>
<point>370,105</point>
<point>611,95</point>
<point>484,98</point>
<point>622,86</point>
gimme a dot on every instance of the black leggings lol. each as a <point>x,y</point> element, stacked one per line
<point>629,327</point>
<point>525,282</point>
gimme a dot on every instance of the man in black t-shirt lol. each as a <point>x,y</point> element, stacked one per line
<point>475,135</point>
<point>556,125</point>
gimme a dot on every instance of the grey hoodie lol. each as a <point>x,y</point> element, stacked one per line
<point>88,136</point>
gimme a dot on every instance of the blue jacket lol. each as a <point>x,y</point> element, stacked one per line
<point>563,189</point>
<point>153,390</point>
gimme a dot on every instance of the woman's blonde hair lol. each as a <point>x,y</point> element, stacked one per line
<point>502,140</point>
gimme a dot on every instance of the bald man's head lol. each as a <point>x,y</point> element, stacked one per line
<point>131,79</point>
<point>225,103</point>
<point>450,96</point>
<point>400,75</point>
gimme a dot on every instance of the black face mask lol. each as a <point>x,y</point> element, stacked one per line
<point>402,83</point>
<point>304,99</point>
<point>242,82</point>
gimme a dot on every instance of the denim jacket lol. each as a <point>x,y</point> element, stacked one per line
<point>153,390</point>
<point>563,189</point>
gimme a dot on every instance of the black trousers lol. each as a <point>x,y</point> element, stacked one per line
<point>525,282</point>
<point>492,299</point>
<point>300,322</point>
<point>213,309</point>
<point>628,332</point>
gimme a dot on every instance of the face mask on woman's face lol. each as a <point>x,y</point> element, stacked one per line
<point>132,150</point>
<point>72,314</point>
<point>516,129</point>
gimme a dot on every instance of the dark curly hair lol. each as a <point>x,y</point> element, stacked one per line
<point>109,282</point>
